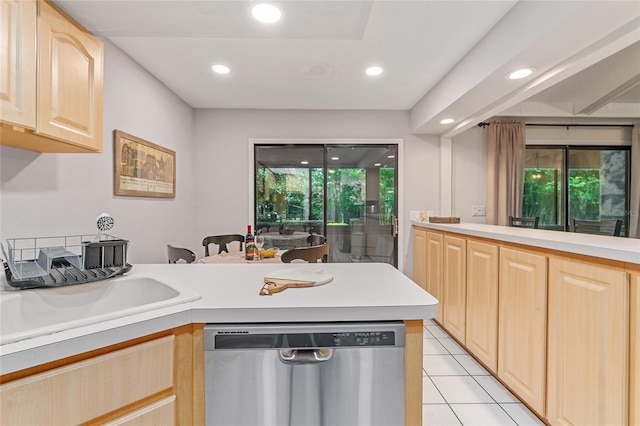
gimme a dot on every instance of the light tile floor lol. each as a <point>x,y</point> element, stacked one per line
<point>457,390</point>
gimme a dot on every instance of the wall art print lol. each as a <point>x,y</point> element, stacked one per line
<point>142,168</point>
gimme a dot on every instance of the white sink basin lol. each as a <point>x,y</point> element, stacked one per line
<point>29,313</point>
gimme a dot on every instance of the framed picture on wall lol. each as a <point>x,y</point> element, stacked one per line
<point>142,168</point>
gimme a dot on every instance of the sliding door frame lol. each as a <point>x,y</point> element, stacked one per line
<point>334,141</point>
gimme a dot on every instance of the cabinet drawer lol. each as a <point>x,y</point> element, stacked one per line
<point>79,392</point>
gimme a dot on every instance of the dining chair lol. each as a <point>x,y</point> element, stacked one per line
<point>221,241</point>
<point>524,222</point>
<point>177,253</point>
<point>316,239</point>
<point>310,254</point>
<point>611,227</point>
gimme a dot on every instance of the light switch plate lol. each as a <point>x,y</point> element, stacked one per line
<point>478,211</point>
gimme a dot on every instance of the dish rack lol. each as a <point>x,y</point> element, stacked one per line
<point>67,260</point>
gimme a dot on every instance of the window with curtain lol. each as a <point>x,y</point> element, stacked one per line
<point>587,183</point>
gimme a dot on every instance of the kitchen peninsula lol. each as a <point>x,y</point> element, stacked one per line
<point>553,315</point>
<point>157,356</point>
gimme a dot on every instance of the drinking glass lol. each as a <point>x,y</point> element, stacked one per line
<point>259,242</point>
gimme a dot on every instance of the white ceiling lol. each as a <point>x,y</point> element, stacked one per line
<point>440,58</point>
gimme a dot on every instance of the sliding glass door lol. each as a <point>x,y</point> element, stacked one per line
<point>588,183</point>
<point>345,193</point>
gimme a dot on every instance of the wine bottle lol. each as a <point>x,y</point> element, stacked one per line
<point>248,244</point>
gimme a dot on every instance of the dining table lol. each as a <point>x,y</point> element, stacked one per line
<point>286,241</point>
<point>238,257</point>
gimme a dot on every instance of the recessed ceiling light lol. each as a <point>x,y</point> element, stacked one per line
<point>374,71</point>
<point>304,162</point>
<point>377,164</point>
<point>521,73</point>
<point>220,69</point>
<point>446,121</point>
<point>335,158</point>
<point>266,13</point>
<point>391,156</point>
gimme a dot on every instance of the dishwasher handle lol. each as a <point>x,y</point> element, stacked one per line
<point>305,356</point>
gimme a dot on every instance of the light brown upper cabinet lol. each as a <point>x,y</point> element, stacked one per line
<point>482,302</point>
<point>51,84</point>
<point>588,344</point>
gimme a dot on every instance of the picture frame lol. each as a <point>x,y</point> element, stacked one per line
<point>142,168</point>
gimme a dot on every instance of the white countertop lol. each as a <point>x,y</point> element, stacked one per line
<point>613,248</point>
<point>229,294</point>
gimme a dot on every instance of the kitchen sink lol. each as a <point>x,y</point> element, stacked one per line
<point>30,313</point>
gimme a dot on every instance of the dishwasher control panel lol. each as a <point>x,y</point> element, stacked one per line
<point>303,336</point>
<point>364,338</point>
<point>304,340</point>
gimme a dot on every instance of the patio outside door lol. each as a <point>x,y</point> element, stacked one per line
<point>345,192</point>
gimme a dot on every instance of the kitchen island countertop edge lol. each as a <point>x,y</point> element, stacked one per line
<point>230,294</point>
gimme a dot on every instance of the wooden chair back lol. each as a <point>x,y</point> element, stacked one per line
<point>310,254</point>
<point>316,239</point>
<point>524,222</point>
<point>177,253</point>
<point>612,227</point>
<point>221,241</point>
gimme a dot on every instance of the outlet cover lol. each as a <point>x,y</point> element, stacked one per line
<point>478,211</point>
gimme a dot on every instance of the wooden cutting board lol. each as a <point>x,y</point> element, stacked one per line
<point>282,279</point>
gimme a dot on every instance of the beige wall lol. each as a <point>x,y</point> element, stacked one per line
<point>223,170</point>
<point>469,173</point>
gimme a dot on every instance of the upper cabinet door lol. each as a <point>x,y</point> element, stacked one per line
<point>70,81</point>
<point>18,63</point>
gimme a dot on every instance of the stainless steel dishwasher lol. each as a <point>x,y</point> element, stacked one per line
<point>309,374</point>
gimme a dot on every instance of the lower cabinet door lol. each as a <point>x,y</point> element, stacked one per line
<point>80,392</point>
<point>420,256</point>
<point>454,284</point>
<point>435,241</point>
<point>482,302</point>
<point>634,350</point>
<point>588,344</point>
<point>522,330</point>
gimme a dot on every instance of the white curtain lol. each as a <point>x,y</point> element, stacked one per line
<point>505,170</point>
<point>634,210</point>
